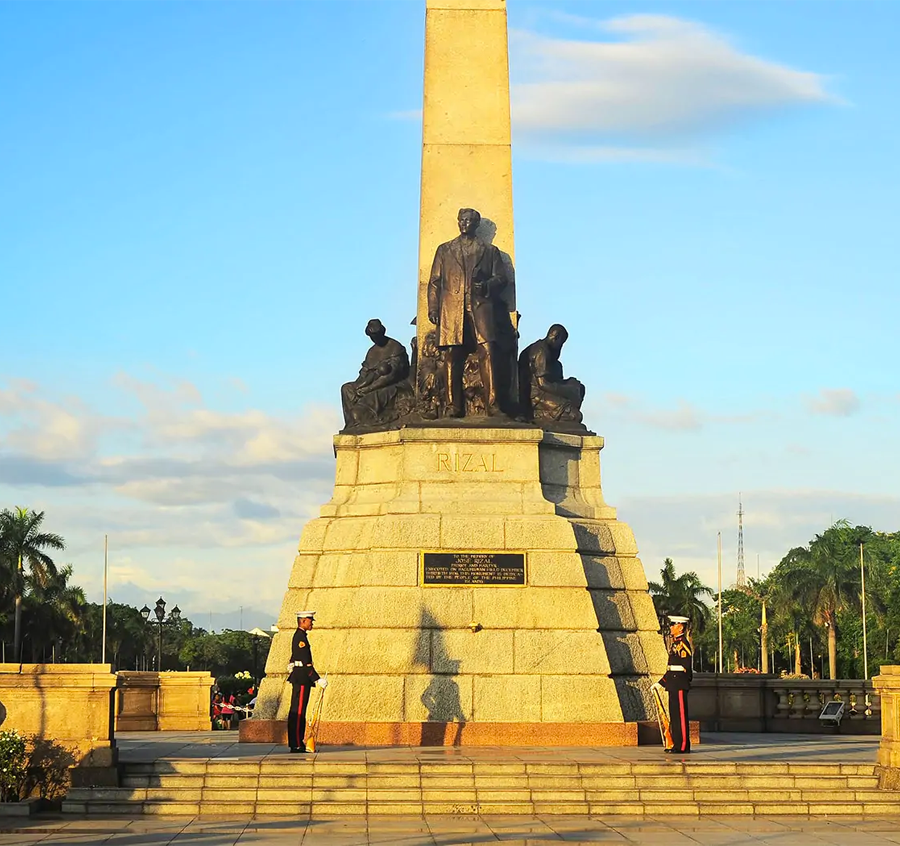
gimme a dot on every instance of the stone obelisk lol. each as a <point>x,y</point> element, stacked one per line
<point>466,140</point>
<point>471,584</point>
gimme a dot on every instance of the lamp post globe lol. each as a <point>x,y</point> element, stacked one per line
<point>159,612</point>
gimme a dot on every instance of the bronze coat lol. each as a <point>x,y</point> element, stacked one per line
<point>450,293</point>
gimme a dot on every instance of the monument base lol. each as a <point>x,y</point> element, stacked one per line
<point>545,635</point>
<point>466,734</point>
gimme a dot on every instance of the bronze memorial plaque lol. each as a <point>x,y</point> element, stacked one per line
<point>497,569</point>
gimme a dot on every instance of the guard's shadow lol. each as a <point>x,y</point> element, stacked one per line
<point>441,698</point>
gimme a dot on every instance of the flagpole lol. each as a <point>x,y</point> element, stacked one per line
<point>719,556</point>
<point>105,577</point>
<point>862,573</point>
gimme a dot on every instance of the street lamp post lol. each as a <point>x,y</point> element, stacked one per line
<point>160,613</point>
<point>256,634</point>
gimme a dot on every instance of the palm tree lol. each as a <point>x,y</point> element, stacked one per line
<point>55,613</point>
<point>682,595</point>
<point>825,578</point>
<point>22,542</point>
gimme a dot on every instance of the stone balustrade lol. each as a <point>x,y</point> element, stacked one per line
<point>804,699</point>
<point>755,702</point>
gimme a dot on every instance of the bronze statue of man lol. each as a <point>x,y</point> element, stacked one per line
<point>546,395</point>
<point>464,303</point>
<point>382,392</point>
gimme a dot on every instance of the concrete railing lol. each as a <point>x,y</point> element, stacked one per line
<point>163,701</point>
<point>753,702</point>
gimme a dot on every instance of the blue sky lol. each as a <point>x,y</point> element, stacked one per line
<point>202,204</point>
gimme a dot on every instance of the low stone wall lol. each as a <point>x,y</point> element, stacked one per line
<point>731,702</point>
<point>769,703</point>
<point>163,701</point>
<point>137,695</point>
<point>69,703</point>
<point>888,686</point>
<point>184,700</point>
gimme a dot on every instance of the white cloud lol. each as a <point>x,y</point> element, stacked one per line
<point>47,430</point>
<point>684,527</point>
<point>650,95</point>
<point>834,402</point>
<point>684,417</point>
<point>406,115</point>
<point>174,479</point>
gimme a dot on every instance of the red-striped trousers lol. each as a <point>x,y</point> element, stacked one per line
<point>679,721</point>
<point>296,727</point>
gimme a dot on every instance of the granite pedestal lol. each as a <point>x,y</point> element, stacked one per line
<point>570,654</point>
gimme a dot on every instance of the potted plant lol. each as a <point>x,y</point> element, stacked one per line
<point>13,771</point>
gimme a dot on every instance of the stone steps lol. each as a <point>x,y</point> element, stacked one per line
<point>311,786</point>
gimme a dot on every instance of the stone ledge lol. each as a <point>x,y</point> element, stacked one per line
<point>468,434</point>
<point>22,808</point>
<point>456,734</point>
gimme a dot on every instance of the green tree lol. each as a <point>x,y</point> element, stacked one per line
<point>740,624</point>
<point>825,578</point>
<point>790,613</point>
<point>130,640</point>
<point>226,653</point>
<point>54,614</point>
<point>681,595</point>
<point>882,564</point>
<point>23,543</point>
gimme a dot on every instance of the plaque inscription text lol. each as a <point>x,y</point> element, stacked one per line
<point>473,568</point>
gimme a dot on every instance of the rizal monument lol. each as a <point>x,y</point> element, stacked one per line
<point>471,584</point>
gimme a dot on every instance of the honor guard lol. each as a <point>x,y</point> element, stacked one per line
<point>677,682</point>
<point>302,677</point>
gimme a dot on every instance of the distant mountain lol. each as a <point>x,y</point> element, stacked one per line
<point>195,608</point>
<point>238,619</point>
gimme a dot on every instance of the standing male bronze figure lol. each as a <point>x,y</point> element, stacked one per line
<point>464,303</point>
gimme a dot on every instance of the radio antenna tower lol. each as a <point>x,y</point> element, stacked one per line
<point>741,575</point>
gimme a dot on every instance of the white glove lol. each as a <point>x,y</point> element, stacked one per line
<point>290,666</point>
<point>323,683</point>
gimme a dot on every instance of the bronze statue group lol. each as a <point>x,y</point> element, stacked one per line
<point>466,365</point>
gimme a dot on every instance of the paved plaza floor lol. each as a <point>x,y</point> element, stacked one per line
<point>455,831</point>
<point>745,748</point>
<point>451,831</point>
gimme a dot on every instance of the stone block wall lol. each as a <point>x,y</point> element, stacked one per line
<point>69,703</point>
<point>176,701</point>
<point>137,695</point>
